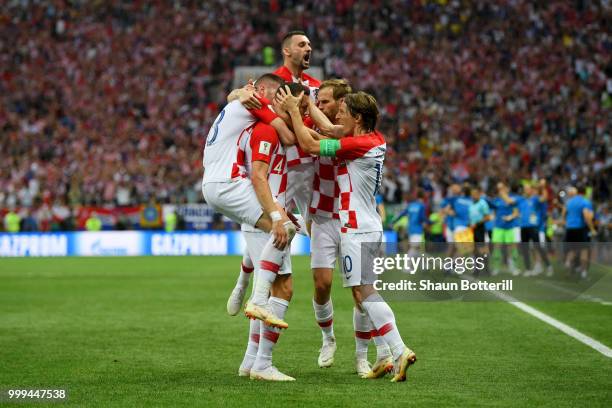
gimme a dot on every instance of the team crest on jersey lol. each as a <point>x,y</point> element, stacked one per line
<point>264,147</point>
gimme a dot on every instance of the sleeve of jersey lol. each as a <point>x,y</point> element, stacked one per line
<point>264,113</point>
<point>352,148</point>
<point>264,142</point>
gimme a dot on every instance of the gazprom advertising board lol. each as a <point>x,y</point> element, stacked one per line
<point>136,243</point>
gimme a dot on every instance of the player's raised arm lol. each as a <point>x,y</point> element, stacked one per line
<point>323,123</point>
<point>246,96</point>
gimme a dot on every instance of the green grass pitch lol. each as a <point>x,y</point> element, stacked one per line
<point>154,332</point>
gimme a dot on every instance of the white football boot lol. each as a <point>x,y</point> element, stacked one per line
<point>269,374</point>
<point>326,353</point>
<point>234,303</point>
<point>362,368</point>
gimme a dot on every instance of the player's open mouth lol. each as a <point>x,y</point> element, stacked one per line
<point>307,58</point>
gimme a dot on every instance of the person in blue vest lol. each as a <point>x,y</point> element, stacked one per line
<point>577,215</point>
<point>529,209</point>
<point>417,220</point>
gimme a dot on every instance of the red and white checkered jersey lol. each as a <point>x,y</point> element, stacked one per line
<point>262,144</point>
<point>325,190</point>
<point>221,148</point>
<point>359,176</point>
<point>295,155</point>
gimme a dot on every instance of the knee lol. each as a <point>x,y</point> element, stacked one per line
<point>322,285</point>
<point>322,281</point>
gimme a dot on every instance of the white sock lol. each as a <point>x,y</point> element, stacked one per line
<point>271,260</point>
<point>324,314</point>
<point>269,335</point>
<point>252,346</point>
<point>384,321</point>
<point>382,350</point>
<point>363,328</point>
<point>246,270</point>
<point>269,265</point>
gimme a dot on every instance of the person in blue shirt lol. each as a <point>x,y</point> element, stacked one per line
<point>529,209</point>
<point>480,213</point>
<point>506,213</point>
<point>578,218</point>
<point>415,210</point>
<point>459,207</point>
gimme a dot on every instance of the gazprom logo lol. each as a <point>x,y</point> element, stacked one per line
<point>33,245</point>
<point>189,244</point>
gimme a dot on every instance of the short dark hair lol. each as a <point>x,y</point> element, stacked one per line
<point>515,187</point>
<point>340,87</point>
<point>290,34</point>
<point>295,88</point>
<point>270,78</point>
<point>364,104</point>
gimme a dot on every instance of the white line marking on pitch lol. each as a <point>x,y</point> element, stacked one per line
<point>574,293</point>
<point>570,331</point>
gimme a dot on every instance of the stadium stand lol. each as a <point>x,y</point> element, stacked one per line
<point>108,102</point>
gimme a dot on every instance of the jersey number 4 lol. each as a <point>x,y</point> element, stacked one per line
<point>277,168</point>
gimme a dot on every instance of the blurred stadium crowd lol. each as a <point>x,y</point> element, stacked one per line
<point>109,102</point>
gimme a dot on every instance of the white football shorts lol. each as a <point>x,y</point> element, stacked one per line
<point>236,200</point>
<point>357,253</point>
<point>325,242</point>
